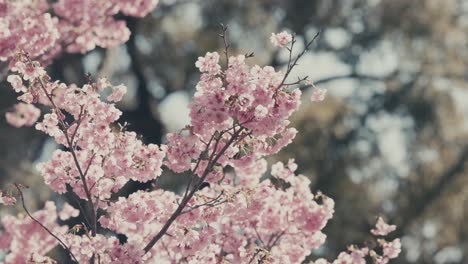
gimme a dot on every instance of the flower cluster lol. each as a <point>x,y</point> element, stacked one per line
<point>82,122</point>
<point>26,25</point>
<point>251,102</point>
<point>44,29</point>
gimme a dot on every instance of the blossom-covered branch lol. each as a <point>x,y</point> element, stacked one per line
<point>227,213</point>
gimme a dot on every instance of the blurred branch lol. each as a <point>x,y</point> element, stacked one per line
<point>419,205</point>
<point>337,143</point>
<point>136,66</point>
<point>107,62</point>
<point>164,8</point>
<point>142,120</point>
<point>3,70</point>
<point>355,75</point>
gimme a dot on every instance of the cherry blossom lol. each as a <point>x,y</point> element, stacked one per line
<point>16,83</point>
<point>264,212</point>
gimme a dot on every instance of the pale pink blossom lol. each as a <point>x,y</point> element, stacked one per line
<point>280,39</point>
<point>344,258</point>
<point>7,199</point>
<point>209,63</point>
<point>17,83</point>
<point>117,93</point>
<point>392,249</point>
<point>318,94</point>
<point>320,261</point>
<point>23,115</point>
<point>36,258</point>
<point>68,212</point>
<point>137,8</point>
<point>260,111</point>
<point>382,228</point>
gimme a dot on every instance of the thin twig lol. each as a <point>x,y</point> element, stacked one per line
<point>291,63</point>
<point>43,226</point>
<point>211,203</point>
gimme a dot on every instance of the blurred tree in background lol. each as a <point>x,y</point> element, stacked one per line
<point>391,138</point>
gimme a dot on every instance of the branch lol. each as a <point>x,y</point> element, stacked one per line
<point>212,161</point>
<point>43,226</point>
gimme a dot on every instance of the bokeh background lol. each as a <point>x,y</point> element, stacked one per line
<point>390,139</point>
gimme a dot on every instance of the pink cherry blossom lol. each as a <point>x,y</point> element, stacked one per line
<point>136,8</point>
